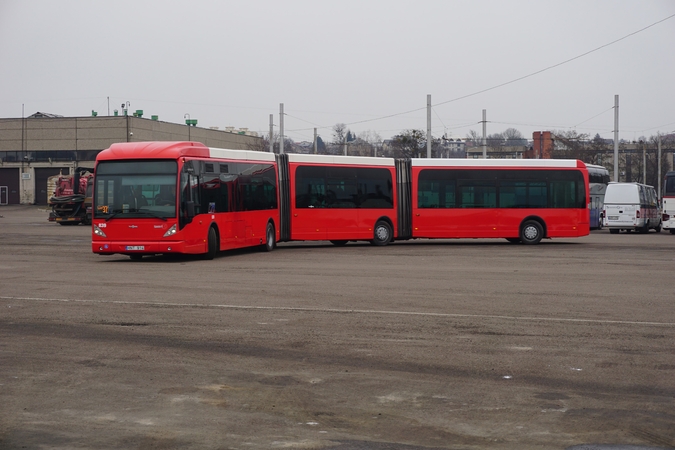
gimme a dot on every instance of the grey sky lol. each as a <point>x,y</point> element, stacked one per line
<point>231,63</point>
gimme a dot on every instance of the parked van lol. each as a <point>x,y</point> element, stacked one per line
<point>631,207</point>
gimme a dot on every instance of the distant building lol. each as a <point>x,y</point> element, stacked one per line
<point>34,148</point>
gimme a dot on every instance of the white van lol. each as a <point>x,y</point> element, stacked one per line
<point>631,206</point>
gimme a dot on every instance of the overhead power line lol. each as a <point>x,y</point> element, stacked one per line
<point>519,78</point>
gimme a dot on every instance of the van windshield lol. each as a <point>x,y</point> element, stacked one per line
<point>622,193</point>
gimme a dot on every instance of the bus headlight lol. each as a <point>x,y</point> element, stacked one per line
<point>98,231</point>
<point>171,231</point>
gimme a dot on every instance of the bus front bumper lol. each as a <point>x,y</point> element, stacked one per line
<point>145,247</point>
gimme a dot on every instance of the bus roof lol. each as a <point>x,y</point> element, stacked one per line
<point>175,150</point>
<point>338,159</point>
<point>506,163</point>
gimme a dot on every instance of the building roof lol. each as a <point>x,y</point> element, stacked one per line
<point>39,114</point>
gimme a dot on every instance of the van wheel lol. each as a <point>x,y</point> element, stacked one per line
<point>658,229</point>
<point>212,243</point>
<point>382,233</point>
<point>531,232</point>
<point>644,230</point>
<point>672,231</point>
<point>613,231</point>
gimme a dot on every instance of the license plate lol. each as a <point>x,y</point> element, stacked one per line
<point>613,217</point>
<point>135,247</point>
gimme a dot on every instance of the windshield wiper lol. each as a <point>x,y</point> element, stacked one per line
<point>136,211</point>
<point>150,213</point>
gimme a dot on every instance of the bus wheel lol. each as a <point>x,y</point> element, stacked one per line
<point>270,239</point>
<point>213,244</point>
<point>382,234</point>
<point>338,243</point>
<point>514,240</point>
<point>531,232</point>
<point>613,231</point>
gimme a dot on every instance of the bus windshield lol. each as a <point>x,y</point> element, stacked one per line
<point>135,189</point>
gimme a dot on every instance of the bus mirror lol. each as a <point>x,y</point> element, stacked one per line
<point>190,208</point>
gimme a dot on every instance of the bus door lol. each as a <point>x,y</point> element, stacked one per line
<point>308,200</point>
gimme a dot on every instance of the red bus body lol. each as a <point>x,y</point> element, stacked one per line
<point>493,220</point>
<point>146,234</point>
<point>343,197</point>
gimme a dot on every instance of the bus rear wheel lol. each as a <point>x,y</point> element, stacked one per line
<point>531,232</point>
<point>270,238</point>
<point>382,233</point>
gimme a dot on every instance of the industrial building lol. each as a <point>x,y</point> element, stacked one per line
<point>34,148</point>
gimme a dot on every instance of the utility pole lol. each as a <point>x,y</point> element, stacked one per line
<point>484,135</point>
<point>315,143</point>
<point>616,138</point>
<point>658,192</point>
<point>428,125</point>
<point>271,133</point>
<point>644,163</point>
<point>281,128</point>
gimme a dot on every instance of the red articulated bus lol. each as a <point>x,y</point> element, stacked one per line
<point>522,200</point>
<point>183,197</point>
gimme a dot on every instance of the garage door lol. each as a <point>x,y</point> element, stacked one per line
<point>9,186</point>
<point>41,175</point>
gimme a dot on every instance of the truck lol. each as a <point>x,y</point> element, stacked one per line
<point>71,197</point>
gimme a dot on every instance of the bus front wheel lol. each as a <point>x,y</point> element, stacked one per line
<point>212,244</point>
<point>531,232</point>
<point>382,233</point>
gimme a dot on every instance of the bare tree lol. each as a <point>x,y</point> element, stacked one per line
<point>514,138</point>
<point>373,141</point>
<point>339,133</point>
<point>569,145</point>
<point>409,144</point>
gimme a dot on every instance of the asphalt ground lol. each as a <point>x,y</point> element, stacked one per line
<point>449,344</point>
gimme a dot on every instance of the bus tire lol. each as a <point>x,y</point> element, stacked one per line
<point>531,232</point>
<point>212,244</point>
<point>382,233</point>
<point>339,243</point>
<point>613,231</point>
<point>270,238</point>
